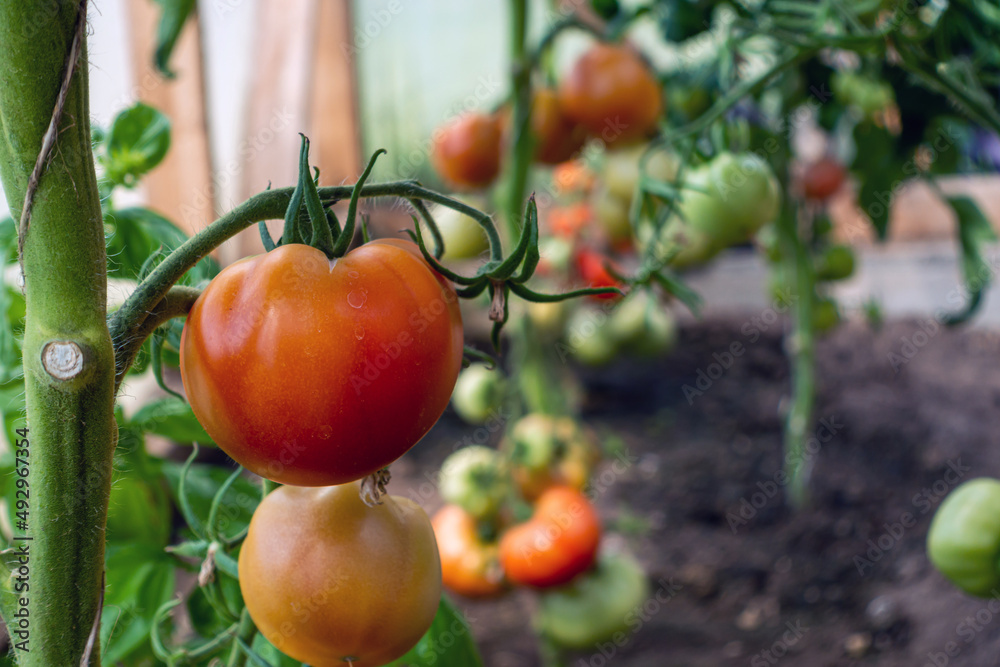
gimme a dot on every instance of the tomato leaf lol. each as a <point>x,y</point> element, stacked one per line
<point>974,231</point>
<point>880,172</point>
<point>172,418</point>
<point>272,655</point>
<point>138,233</point>
<point>448,643</point>
<point>172,19</point>
<point>139,579</point>
<point>137,141</point>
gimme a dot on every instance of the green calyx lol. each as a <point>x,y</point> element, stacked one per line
<point>309,222</point>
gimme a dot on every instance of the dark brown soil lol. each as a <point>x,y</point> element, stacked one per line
<point>849,574</point>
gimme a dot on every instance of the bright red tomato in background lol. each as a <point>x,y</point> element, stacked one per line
<point>558,543</point>
<point>466,152</point>
<point>592,267</point>
<point>315,372</point>
<point>612,93</point>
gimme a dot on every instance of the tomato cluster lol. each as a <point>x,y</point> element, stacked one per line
<point>318,372</point>
<point>547,463</point>
<point>610,94</point>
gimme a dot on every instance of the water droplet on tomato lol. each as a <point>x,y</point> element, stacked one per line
<point>359,332</point>
<point>325,432</point>
<point>352,274</point>
<point>357,298</point>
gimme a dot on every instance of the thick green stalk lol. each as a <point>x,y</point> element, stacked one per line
<point>68,358</point>
<point>801,350</point>
<point>519,158</point>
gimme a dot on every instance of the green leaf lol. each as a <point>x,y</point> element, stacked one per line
<point>137,141</point>
<point>11,331</point>
<point>974,231</point>
<point>139,512</point>
<point>174,14</point>
<point>272,655</point>
<point>134,235</point>
<point>139,579</point>
<point>172,418</point>
<point>448,643</point>
<point>880,172</point>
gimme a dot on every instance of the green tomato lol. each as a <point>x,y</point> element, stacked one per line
<point>588,338</point>
<point>826,315</point>
<point>963,541</point>
<point>642,326</point>
<point>595,606</point>
<point>620,173</point>
<point>749,191</point>
<point>611,212</point>
<point>475,478</point>
<point>463,237</point>
<point>478,393</point>
<point>695,245</point>
<point>866,94</point>
<point>836,263</point>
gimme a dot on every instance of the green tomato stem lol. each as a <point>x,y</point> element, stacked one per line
<point>802,355</point>
<point>523,148</point>
<point>245,633</point>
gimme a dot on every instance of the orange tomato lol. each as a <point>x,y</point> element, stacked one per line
<point>466,151</point>
<point>612,93</point>
<point>330,581</point>
<point>557,138</point>
<point>469,566</point>
<point>558,543</point>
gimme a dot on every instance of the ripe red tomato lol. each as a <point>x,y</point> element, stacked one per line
<point>591,266</point>
<point>557,138</point>
<point>330,581</point>
<point>315,372</point>
<point>823,178</point>
<point>466,151</point>
<point>612,93</point>
<point>558,543</point>
<point>469,566</point>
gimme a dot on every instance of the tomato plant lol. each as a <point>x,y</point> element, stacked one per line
<point>329,580</point>
<point>314,373</point>
<point>557,544</point>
